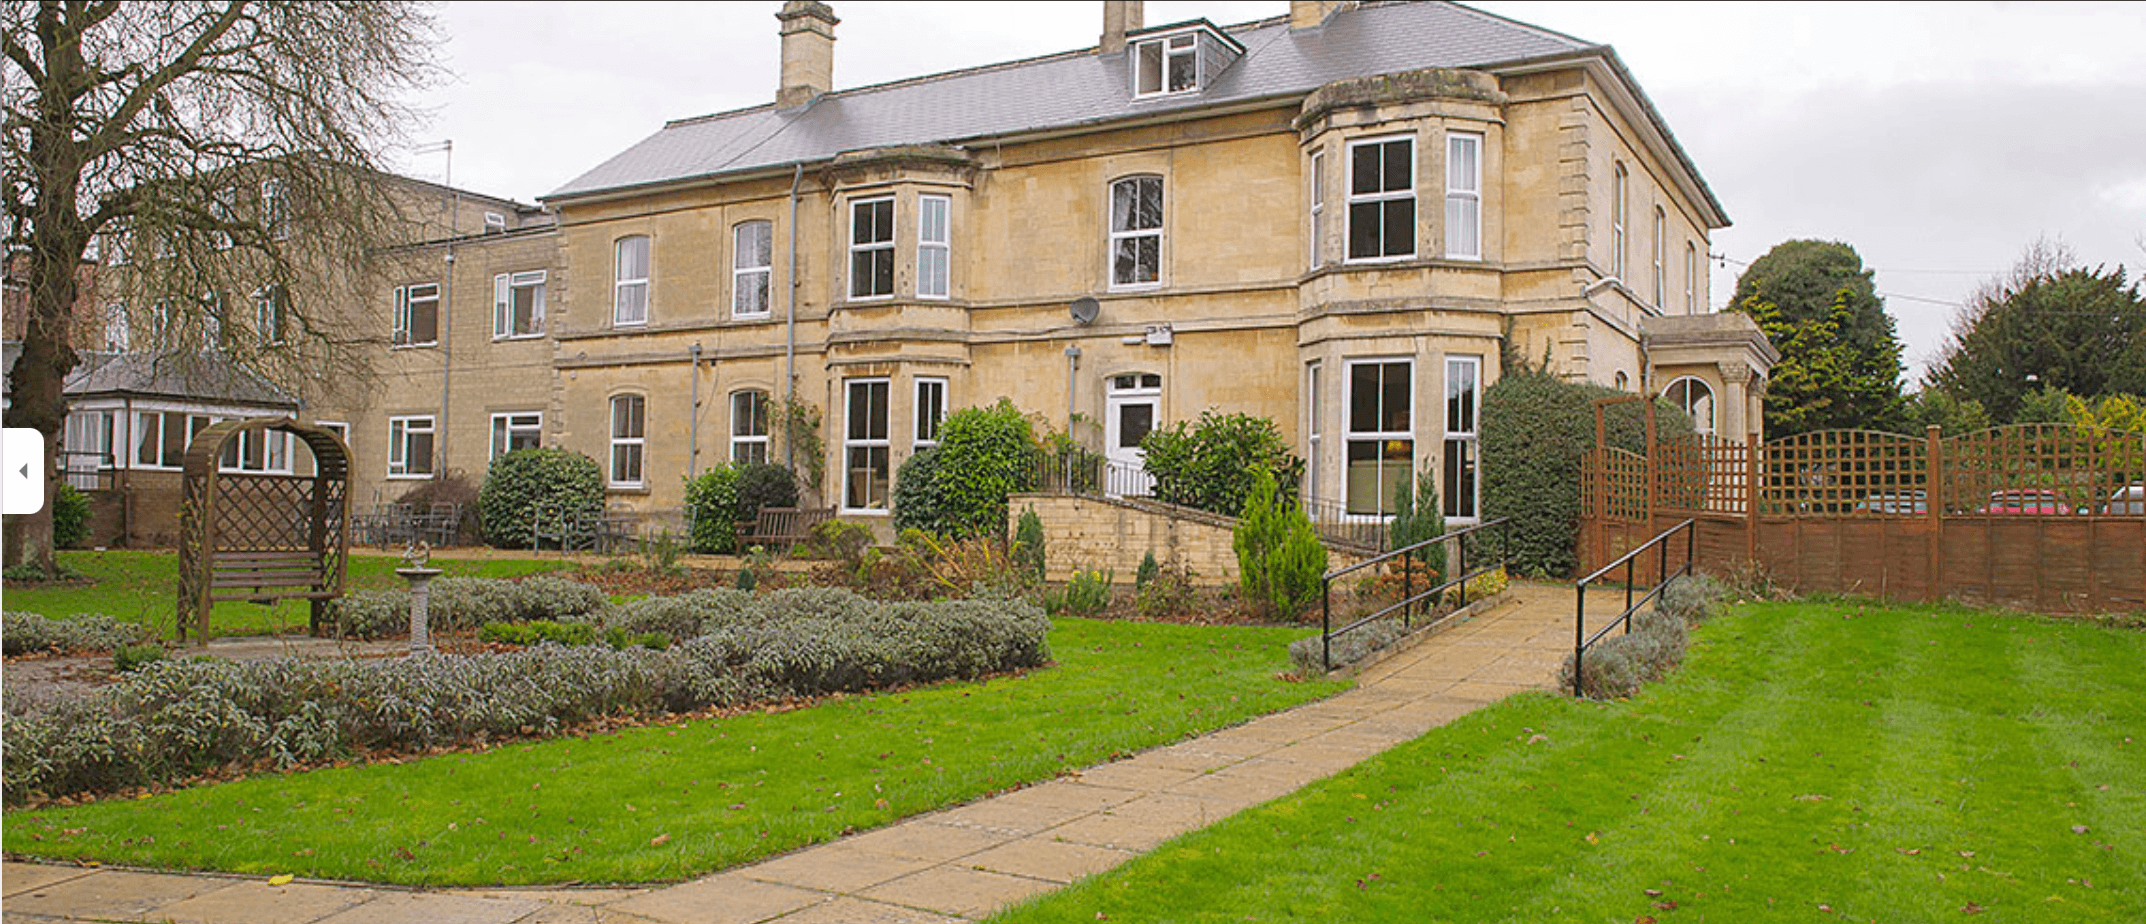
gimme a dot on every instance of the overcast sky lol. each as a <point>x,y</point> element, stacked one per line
<point>1939,139</point>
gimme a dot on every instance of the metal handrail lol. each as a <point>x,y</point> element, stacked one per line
<point>1581,641</point>
<point>1407,604</point>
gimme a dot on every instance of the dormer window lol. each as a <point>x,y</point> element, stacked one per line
<point>1166,65</point>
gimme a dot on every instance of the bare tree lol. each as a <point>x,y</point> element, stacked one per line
<point>220,158</point>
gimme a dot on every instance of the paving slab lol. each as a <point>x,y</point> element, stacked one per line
<point>25,877</point>
<point>113,895</point>
<point>835,868</point>
<point>860,911</point>
<point>1070,794</point>
<point>1137,774</point>
<point>261,903</point>
<point>925,839</point>
<point>435,908</point>
<point>725,898</point>
<point>1039,858</point>
<point>957,890</point>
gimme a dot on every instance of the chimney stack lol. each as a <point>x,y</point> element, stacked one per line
<point>1304,14</point>
<point>1120,17</point>
<point>808,51</point>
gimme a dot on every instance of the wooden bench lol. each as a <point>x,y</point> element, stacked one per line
<point>783,526</point>
<point>265,577</point>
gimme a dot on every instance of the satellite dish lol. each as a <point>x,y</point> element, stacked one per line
<point>1085,309</point>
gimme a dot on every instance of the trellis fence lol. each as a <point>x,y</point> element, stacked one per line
<point>2050,518</point>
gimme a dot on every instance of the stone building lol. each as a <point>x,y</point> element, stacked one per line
<point>1333,218</point>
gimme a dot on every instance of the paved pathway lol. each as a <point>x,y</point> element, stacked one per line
<point>946,866</point>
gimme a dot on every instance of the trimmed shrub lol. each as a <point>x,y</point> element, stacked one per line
<point>1418,517</point>
<point>917,505</point>
<point>984,454</point>
<point>763,485</point>
<point>836,540</point>
<point>1087,594</point>
<point>70,517</point>
<point>711,500</point>
<point>543,630</point>
<point>1537,430</point>
<point>524,479</point>
<point>127,659</point>
<point>1693,599</point>
<point>30,633</point>
<point>1348,649</point>
<point>1028,546</point>
<point>1209,464</point>
<point>464,603</point>
<point>1279,559</point>
<point>175,719</point>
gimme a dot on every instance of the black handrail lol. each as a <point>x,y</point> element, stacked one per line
<point>1581,641</point>
<point>1327,632</point>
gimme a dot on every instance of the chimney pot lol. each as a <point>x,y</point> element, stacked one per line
<point>808,51</point>
<point>1120,17</point>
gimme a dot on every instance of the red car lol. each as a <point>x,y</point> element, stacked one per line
<point>2025,503</point>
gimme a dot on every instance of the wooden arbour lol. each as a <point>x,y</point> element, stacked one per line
<point>262,536</point>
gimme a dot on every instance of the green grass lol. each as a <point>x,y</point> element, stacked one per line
<point>715,792</point>
<point>143,588</point>
<point>1916,764</point>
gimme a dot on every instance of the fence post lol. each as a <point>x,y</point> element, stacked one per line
<point>1934,501</point>
<point>1756,473</point>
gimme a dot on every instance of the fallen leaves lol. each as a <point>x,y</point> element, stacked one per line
<point>659,840</point>
<point>282,880</point>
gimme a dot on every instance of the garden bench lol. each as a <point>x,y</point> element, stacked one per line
<point>783,526</point>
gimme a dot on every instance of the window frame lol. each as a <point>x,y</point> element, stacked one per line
<point>1713,402</point>
<point>852,443</point>
<point>1316,207</point>
<point>740,273</point>
<point>1619,181</point>
<point>1380,198</point>
<point>505,425</point>
<point>268,446</point>
<point>340,428</point>
<point>925,433</point>
<point>1352,436</point>
<point>1661,243</point>
<point>742,441</point>
<point>1471,197</point>
<point>1167,47</point>
<point>1691,278</point>
<point>635,445</point>
<point>1467,439</point>
<point>1314,429</point>
<point>621,283</point>
<point>495,223</point>
<point>503,309</point>
<point>399,430</point>
<point>1117,235</point>
<point>942,246</point>
<point>116,320</point>
<point>271,313</point>
<point>876,248</point>
<point>275,209</point>
<point>406,300</point>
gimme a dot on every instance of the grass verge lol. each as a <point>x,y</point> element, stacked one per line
<point>1812,761</point>
<point>143,588</point>
<point>671,801</point>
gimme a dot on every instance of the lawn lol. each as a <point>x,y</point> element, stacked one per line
<point>1811,762</point>
<point>672,801</point>
<point>143,588</point>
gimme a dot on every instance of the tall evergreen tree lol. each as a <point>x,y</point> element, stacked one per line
<point>1840,358</point>
<point>2053,325</point>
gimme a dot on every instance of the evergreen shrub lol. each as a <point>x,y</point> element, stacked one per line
<point>524,479</point>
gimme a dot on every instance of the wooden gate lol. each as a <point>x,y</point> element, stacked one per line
<point>2033,516</point>
<point>261,536</point>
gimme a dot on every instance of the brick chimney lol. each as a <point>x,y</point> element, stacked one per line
<point>1304,14</point>
<point>1120,17</point>
<point>808,51</point>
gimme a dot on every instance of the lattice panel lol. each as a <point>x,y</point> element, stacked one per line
<point>1844,473</point>
<point>1704,474</point>
<point>264,512</point>
<point>1617,485</point>
<point>2039,469</point>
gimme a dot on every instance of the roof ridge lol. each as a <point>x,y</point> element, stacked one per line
<point>898,83</point>
<point>1507,20</point>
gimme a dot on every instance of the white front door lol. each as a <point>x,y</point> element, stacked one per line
<point>1134,406</point>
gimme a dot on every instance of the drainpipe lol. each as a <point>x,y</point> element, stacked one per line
<point>693,422</point>
<point>789,377</point>
<point>439,431</point>
<point>1072,378</point>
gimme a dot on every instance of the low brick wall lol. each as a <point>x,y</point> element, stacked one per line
<point>1094,533</point>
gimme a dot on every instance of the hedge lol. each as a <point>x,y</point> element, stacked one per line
<point>711,500</point>
<point>175,719</point>
<point>520,481</point>
<point>458,603</point>
<point>984,454</point>
<point>30,633</point>
<point>1209,464</point>
<point>1536,432</point>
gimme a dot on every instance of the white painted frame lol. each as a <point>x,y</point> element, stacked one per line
<point>1354,198</point>
<point>1464,196</point>
<point>856,247</point>
<point>935,245</point>
<point>850,441</point>
<point>1351,436</point>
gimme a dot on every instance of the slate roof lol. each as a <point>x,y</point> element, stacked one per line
<point>201,377</point>
<point>1070,90</point>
